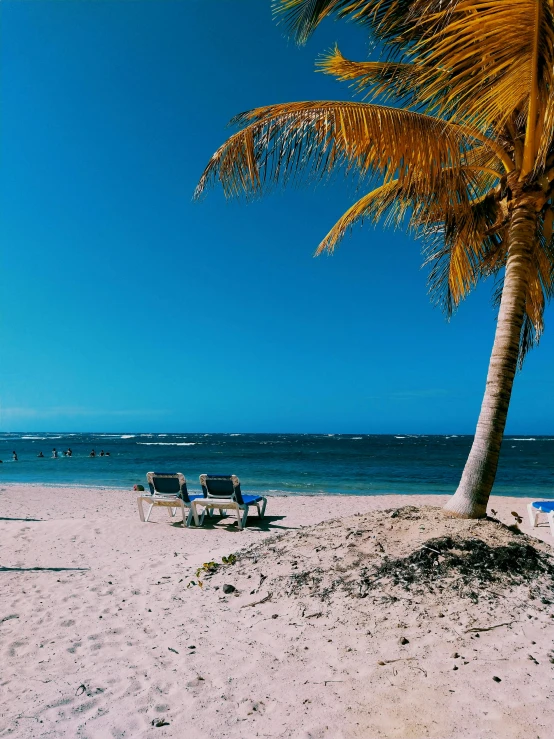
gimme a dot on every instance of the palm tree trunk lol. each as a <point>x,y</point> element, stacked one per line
<point>472,495</point>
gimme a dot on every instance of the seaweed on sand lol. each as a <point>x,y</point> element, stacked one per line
<point>468,561</point>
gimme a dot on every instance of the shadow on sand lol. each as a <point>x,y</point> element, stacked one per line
<point>20,519</point>
<point>267,523</point>
<point>44,569</point>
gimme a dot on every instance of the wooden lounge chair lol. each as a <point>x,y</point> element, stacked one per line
<point>223,492</point>
<point>538,507</point>
<point>168,489</point>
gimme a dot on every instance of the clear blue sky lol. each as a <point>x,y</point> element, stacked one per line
<point>126,306</point>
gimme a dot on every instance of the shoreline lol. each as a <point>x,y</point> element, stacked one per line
<point>71,503</point>
<point>102,634</point>
<point>272,493</point>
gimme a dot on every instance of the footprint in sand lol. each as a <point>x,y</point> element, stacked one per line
<point>83,707</point>
<point>198,684</point>
<point>15,645</point>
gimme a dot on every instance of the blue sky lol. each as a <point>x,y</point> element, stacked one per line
<point>126,306</point>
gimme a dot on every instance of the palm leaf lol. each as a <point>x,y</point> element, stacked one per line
<point>396,22</point>
<point>373,206</point>
<point>301,17</point>
<point>392,80</point>
<point>457,250</point>
<point>486,51</point>
<point>280,141</point>
<point>392,202</point>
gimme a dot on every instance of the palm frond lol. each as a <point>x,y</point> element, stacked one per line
<point>397,22</point>
<point>394,81</point>
<point>373,206</point>
<point>457,250</point>
<point>546,135</point>
<point>391,203</point>
<point>486,51</point>
<point>302,17</point>
<point>280,141</point>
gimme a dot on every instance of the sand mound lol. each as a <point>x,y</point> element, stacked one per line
<point>366,554</point>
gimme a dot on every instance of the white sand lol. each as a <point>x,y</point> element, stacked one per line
<point>88,653</point>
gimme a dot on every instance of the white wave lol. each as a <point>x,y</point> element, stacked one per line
<point>162,435</point>
<point>235,434</point>
<point>356,437</point>
<point>399,437</point>
<point>531,439</point>
<point>167,443</point>
<point>128,436</point>
<point>44,438</point>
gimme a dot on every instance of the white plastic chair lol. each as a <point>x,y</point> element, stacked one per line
<point>223,492</point>
<point>169,490</point>
<point>545,507</point>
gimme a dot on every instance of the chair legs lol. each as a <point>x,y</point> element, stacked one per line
<point>193,514</point>
<point>188,515</point>
<point>244,517</point>
<point>141,509</point>
<point>208,510</point>
<point>550,517</point>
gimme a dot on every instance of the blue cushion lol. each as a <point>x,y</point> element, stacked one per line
<point>249,499</point>
<point>546,506</point>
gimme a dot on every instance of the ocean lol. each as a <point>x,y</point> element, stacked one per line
<point>354,464</point>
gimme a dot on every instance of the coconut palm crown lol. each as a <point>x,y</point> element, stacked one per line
<point>454,140</point>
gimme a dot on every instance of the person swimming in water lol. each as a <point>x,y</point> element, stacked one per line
<point>40,454</point>
<point>54,453</point>
<point>101,452</point>
<point>92,454</point>
<point>14,456</point>
<point>69,452</point>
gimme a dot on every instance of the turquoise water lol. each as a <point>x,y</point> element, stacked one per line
<point>287,463</point>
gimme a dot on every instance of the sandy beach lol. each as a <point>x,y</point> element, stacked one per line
<point>109,639</point>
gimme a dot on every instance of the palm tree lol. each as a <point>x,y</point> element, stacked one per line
<point>454,140</point>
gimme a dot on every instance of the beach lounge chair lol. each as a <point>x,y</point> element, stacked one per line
<point>223,492</point>
<point>538,507</point>
<point>168,489</point>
